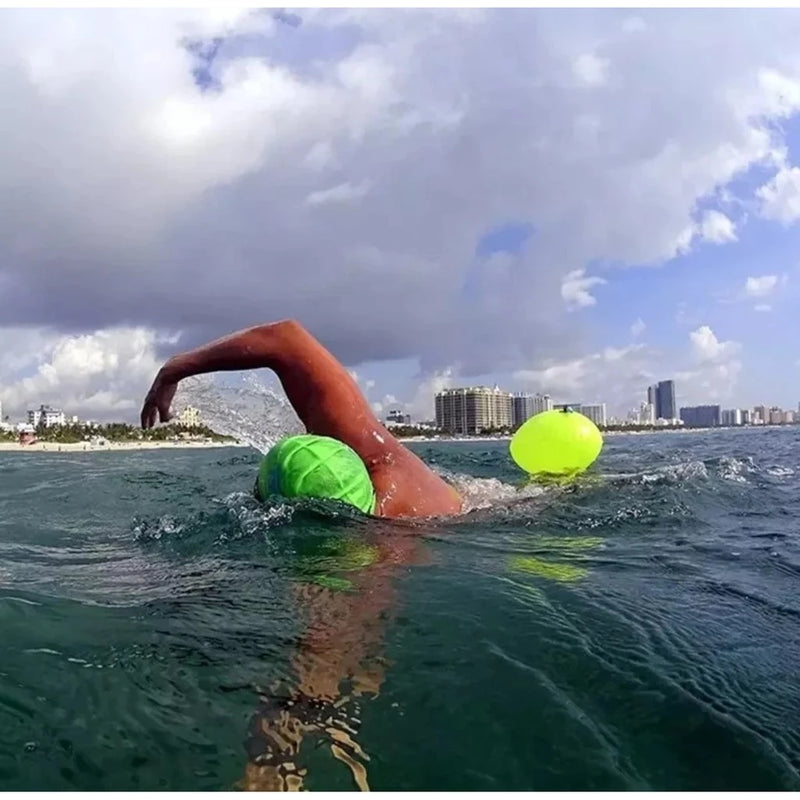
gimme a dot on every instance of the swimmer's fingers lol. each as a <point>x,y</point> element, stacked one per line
<point>157,403</point>
<point>164,401</point>
<point>148,417</point>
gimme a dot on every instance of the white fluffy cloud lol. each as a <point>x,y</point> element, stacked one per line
<point>760,286</point>
<point>103,374</point>
<point>575,289</point>
<point>717,228</point>
<point>780,197</point>
<point>706,371</point>
<point>421,406</point>
<point>638,328</point>
<point>612,375</point>
<point>715,372</point>
<point>707,348</point>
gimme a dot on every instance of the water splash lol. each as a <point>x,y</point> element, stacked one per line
<point>482,493</point>
<point>733,469</point>
<point>249,410</point>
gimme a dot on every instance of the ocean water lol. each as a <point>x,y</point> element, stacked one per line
<point>639,629</point>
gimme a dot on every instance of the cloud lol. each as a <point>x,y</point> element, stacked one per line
<point>575,289</point>
<point>760,286</point>
<point>638,328</point>
<point>421,408</point>
<point>707,348</point>
<point>103,374</point>
<point>343,193</point>
<point>591,69</point>
<point>780,197</point>
<point>706,371</point>
<point>343,170</point>
<point>384,405</point>
<point>717,228</point>
<point>612,375</point>
<point>714,375</point>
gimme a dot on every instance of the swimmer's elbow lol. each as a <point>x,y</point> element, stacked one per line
<point>284,330</point>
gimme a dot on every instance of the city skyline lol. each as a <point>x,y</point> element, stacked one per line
<point>471,409</point>
<point>521,405</point>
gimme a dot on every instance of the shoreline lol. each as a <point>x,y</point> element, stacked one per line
<point>88,447</point>
<point>613,432</point>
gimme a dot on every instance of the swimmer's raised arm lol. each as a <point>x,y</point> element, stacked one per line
<point>321,390</point>
<point>328,402</point>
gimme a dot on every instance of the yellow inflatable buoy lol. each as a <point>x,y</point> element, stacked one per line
<point>556,443</point>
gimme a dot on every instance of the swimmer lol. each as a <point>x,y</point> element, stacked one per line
<point>328,402</point>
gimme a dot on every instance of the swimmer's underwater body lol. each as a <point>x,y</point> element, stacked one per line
<point>329,404</point>
<point>338,659</point>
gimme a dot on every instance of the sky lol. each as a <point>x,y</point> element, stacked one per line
<point>579,202</point>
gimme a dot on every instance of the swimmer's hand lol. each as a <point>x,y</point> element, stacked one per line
<point>159,399</point>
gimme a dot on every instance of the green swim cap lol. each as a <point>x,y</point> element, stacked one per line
<point>316,466</point>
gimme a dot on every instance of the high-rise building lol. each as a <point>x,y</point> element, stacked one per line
<point>473,409</point>
<point>701,416</point>
<point>521,408</point>
<point>776,416</point>
<point>662,396</point>
<point>732,416</point>
<point>397,417</point>
<point>525,406</point>
<point>747,417</point>
<point>596,412</point>
<point>542,402</point>
<point>647,412</point>
<point>760,415</point>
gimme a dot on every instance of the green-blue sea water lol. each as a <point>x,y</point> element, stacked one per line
<point>639,629</point>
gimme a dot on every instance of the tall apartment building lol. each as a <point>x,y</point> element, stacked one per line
<point>701,416</point>
<point>760,415</point>
<point>776,416</point>
<point>525,406</point>
<point>662,396</point>
<point>541,403</point>
<point>596,412</point>
<point>732,416</point>
<point>473,409</point>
